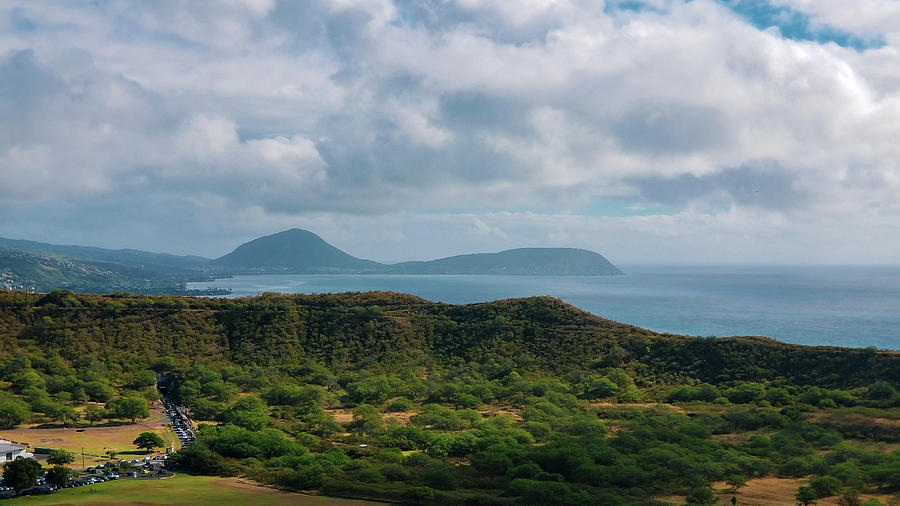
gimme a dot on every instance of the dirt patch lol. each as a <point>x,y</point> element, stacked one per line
<point>877,446</point>
<point>771,491</point>
<point>344,416</point>
<point>401,416</point>
<point>641,405</point>
<point>340,415</point>
<point>492,411</point>
<point>733,439</point>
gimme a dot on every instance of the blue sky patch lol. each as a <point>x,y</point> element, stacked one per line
<point>795,25</point>
<point>20,22</point>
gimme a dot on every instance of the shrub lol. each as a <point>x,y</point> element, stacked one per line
<point>825,486</point>
<point>394,472</point>
<point>700,495</point>
<point>439,477</point>
<point>400,404</point>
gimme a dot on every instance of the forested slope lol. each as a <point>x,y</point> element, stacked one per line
<point>522,401</point>
<point>360,329</point>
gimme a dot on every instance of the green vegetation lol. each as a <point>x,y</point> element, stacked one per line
<point>148,441</point>
<point>21,473</point>
<point>526,401</point>
<point>28,265</point>
<point>58,475</point>
<point>60,457</point>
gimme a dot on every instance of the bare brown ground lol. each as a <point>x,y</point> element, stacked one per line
<point>94,440</point>
<point>340,415</point>
<point>770,491</point>
<point>874,445</point>
<point>492,411</point>
<point>642,405</point>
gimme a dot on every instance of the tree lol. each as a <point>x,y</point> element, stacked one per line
<point>248,412</point>
<point>881,390</point>
<point>67,415</point>
<point>13,412</point>
<point>806,496</point>
<point>143,379</point>
<point>735,482</point>
<point>700,495</point>
<point>825,485</point>
<point>419,494</point>
<point>60,457</point>
<point>149,441</point>
<point>131,407</point>
<point>58,475</point>
<point>22,473</point>
<point>94,413</point>
<point>366,419</point>
<point>850,497</point>
<point>111,453</point>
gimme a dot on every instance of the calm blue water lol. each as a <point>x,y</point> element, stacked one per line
<point>844,306</point>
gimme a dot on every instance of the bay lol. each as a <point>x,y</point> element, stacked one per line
<point>841,306</point>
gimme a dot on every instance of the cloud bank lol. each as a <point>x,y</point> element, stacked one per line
<point>658,131</point>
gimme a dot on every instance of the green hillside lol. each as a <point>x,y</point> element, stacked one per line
<point>44,272</point>
<point>520,401</point>
<point>143,260</point>
<point>539,334</point>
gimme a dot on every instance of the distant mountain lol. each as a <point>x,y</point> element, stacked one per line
<point>44,267</point>
<point>30,265</point>
<point>522,261</point>
<point>23,270</point>
<point>144,260</point>
<point>294,250</point>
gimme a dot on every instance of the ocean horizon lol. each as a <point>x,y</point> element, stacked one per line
<point>851,306</point>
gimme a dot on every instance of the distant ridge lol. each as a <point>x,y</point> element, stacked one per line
<point>293,250</point>
<point>521,261</point>
<point>163,262</point>
<point>301,251</point>
<point>44,267</point>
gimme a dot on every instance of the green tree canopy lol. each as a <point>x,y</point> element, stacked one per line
<point>13,412</point>
<point>248,412</point>
<point>58,475</point>
<point>148,441</point>
<point>132,407</point>
<point>806,496</point>
<point>60,457</point>
<point>22,473</point>
<point>94,413</point>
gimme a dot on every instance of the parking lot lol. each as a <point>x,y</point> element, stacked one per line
<point>145,468</point>
<point>181,424</point>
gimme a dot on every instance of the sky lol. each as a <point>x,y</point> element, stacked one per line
<point>658,131</point>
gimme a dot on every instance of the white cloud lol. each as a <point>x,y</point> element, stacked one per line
<point>316,112</point>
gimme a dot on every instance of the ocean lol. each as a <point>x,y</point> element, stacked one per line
<point>841,306</point>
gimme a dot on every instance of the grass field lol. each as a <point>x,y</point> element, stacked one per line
<point>95,440</point>
<point>184,489</point>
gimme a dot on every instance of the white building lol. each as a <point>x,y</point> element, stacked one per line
<point>9,451</point>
